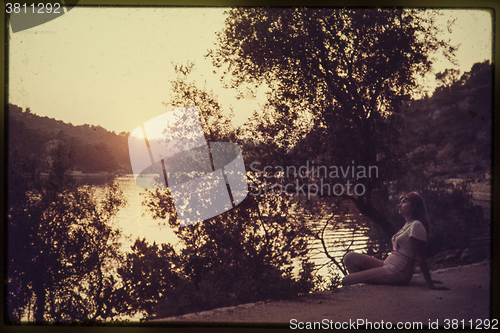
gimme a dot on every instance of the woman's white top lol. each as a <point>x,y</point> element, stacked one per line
<point>401,241</point>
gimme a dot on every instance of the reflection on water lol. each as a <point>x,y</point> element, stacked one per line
<point>340,233</point>
<point>136,222</point>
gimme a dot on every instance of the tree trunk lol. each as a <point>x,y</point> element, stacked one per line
<point>369,211</point>
<point>39,290</point>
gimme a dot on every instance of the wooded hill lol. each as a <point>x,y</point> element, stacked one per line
<point>451,130</point>
<point>95,148</point>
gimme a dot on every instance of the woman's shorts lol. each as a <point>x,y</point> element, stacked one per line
<point>401,265</point>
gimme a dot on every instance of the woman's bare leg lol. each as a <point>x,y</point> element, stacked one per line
<point>357,262</point>
<point>378,275</point>
<point>365,269</point>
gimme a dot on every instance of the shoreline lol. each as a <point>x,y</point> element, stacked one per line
<point>468,299</point>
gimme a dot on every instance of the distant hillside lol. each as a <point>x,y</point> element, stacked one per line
<point>450,131</point>
<point>452,128</point>
<point>96,149</point>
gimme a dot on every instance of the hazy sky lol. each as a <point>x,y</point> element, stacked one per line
<point>112,66</point>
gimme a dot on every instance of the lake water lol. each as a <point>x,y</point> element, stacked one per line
<point>133,219</point>
<point>135,222</point>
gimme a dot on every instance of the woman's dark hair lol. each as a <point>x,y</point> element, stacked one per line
<point>419,213</point>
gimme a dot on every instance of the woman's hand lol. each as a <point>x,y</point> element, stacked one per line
<point>419,247</point>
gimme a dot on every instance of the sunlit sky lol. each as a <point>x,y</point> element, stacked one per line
<point>112,66</point>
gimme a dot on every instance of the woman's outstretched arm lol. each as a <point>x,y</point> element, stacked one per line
<point>419,247</point>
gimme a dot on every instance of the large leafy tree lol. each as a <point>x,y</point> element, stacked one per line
<point>346,72</point>
<point>245,254</point>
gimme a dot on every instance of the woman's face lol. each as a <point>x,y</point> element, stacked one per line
<point>405,207</point>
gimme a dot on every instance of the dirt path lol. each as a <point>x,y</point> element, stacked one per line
<point>468,299</point>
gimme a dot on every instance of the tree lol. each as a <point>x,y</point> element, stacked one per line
<point>350,70</point>
<point>61,243</point>
<point>148,273</point>
<point>243,255</point>
<point>215,123</point>
<point>448,77</point>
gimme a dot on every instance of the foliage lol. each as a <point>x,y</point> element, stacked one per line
<point>450,132</point>
<point>456,218</point>
<point>61,243</point>
<point>243,255</point>
<point>148,273</point>
<point>331,281</point>
<point>215,123</point>
<point>341,65</point>
<point>351,70</point>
